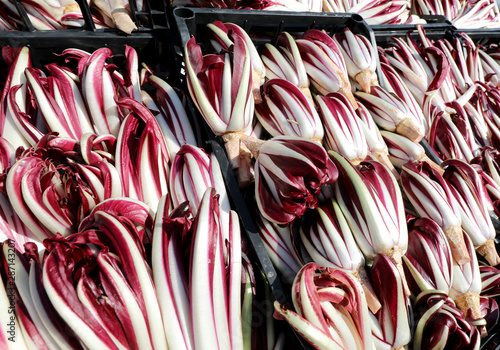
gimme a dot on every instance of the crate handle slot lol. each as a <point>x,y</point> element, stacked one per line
<point>184,12</point>
<point>357,18</point>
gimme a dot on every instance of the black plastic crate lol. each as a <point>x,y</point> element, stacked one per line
<point>383,38</point>
<point>433,21</point>
<point>152,40</point>
<point>264,26</point>
<point>435,24</point>
<point>449,32</point>
<point>154,49</point>
<point>482,36</point>
<point>54,40</point>
<point>153,17</point>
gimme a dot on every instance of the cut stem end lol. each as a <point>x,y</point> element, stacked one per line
<point>456,240</point>
<point>307,92</point>
<point>408,129</point>
<point>318,140</point>
<point>489,252</point>
<point>253,144</point>
<point>244,170</point>
<point>470,305</point>
<point>371,298</point>
<point>257,79</point>
<point>364,79</point>
<point>232,143</point>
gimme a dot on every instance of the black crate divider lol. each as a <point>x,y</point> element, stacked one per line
<point>250,229</point>
<point>247,222</point>
<point>252,233</point>
<point>248,225</point>
<point>491,342</point>
<point>152,39</point>
<point>24,16</point>
<point>153,17</point>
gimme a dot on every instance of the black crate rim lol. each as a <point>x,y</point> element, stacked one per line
<point>156,16</point>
